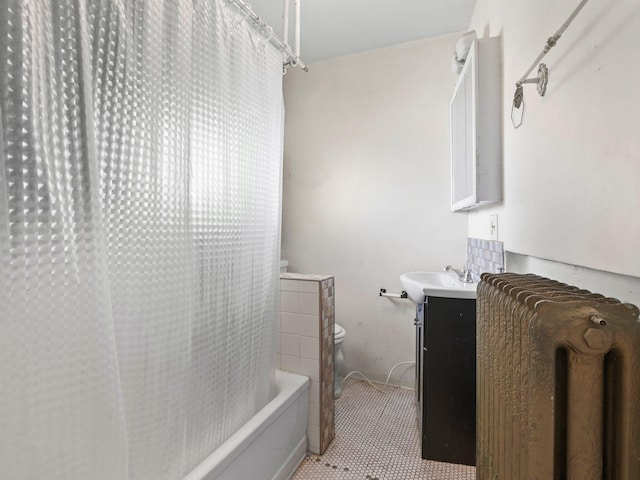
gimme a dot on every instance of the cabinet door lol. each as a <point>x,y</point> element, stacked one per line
<point>476,128</point>
<point>449,401</point>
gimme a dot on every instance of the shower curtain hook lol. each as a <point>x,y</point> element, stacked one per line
<point>268,37</point>
<point>247,14</point>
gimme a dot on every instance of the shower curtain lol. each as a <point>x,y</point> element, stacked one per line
<point>139,234</point>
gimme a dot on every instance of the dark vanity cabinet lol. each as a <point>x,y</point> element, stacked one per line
<point>446,378</point>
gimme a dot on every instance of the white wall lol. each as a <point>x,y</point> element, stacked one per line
<point>623,287</point>
<point>572,170</point>
<point>366,166</point>
<point>366,188</point>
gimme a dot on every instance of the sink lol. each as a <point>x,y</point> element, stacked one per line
<point>436,284</point>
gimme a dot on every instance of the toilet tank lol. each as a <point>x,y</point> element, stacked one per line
<point>284,266</point>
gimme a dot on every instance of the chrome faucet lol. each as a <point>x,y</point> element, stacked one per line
<point>463,276</point>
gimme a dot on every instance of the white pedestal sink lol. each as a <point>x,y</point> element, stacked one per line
<point>436,284</point>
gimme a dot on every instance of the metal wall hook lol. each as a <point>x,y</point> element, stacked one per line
<point>541,81</point>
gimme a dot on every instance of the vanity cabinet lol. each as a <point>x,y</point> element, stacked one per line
<point>475,129</point>
<point>446,378</point>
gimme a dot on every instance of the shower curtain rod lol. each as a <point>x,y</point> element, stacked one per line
<point>291,58</point>
<point>517,107</point>
<point>551,42</point>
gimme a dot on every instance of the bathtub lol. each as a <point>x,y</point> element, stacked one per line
<point>271,445</point>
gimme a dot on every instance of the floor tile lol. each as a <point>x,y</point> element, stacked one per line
<point>377,438</point>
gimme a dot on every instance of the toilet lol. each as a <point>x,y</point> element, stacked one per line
<point>338,338</point>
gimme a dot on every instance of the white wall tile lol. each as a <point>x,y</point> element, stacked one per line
<point>311,368</point>
<point>290,302</point>
<point>290,363</point>
<point>289,323</point>
<point>289,344</point>
<point>309,303</point>
<point>314,391</point>
<point>313,436</point>
<point>314,413</point>
<point>309,286</point>
<point>289,285</point>
<point>309,325</point>
<point>310,347</point>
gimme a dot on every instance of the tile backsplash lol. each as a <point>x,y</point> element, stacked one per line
<point>484,256</point>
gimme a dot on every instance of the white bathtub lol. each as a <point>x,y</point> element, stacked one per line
<point>271,445</point>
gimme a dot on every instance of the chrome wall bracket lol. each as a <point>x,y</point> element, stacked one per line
<point>541,81</point>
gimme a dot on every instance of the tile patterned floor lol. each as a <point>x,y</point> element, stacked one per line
<point>377,438</point>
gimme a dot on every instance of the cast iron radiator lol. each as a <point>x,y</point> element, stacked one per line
<point>558,382</point>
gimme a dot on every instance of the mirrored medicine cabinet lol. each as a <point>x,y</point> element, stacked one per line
<point>476,129</point>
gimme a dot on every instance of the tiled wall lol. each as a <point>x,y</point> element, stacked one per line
<point>484,256</point>
<point>307,317</point>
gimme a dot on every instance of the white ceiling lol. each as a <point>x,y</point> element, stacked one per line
<point>332,28</point>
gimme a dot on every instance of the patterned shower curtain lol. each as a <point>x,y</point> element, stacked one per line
<point>139,234</point>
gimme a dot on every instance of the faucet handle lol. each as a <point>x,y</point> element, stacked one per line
<point>466,275</point>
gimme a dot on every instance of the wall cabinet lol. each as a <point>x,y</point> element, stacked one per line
<point>446,379</point>
<point>476,129</point>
